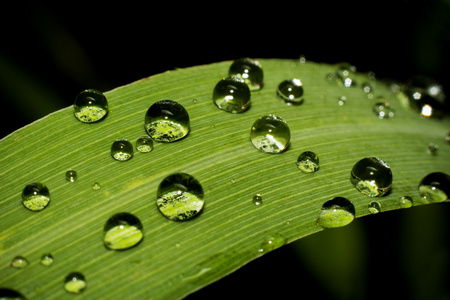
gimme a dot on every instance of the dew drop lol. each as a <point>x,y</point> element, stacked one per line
<point>308,162</point>
<point>291,91</point>
<point>270,134</point>
<point>122,150</point>
<point>180,197</point>
<point>367,88</point>
<point>122,231</point>
<point>432,149</point>
<point>8,294</point>
<point>47,259</point>
<point>435,187</point>
<point>271,242</point>
<point>167,121</point>
<point>257,200</point>
<point>96,186</point>
<point>374,207</point>
<point>232,94</point>
<point>342,100</point>
<point>19,262</point>
<point>144,144</point>
<point>90,106</point>
<point>35,196</point>
<point>336,212</point>
<point>383,110</point>
<point>250,70</point>
<point>447,138</point>
<point>405,202</point>
<point>425,95</point>
<point>302,59</point>
<point>372,176</point>
<point>345,74</point>
<point>75,283</point>
<point>71,175</point>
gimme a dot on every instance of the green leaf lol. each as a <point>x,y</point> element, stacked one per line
<point>177,258</point>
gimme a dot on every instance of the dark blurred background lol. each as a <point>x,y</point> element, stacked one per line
<point>51,51</point>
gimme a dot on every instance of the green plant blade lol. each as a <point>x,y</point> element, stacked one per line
<point>177,258</point>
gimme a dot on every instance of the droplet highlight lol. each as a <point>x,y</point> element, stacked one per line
<point>167,121</point>
<point>122,150</point>
<point>270,134</point>
<point>291,91</point>
<point>250,70</point>
<point>71,175</point>
<point>336,212</point>
<point>232,94</point>
<point>257,199</point>
<point>47,259</point>
<point>372,176</point>
<point>435,187</point>
<point>144,144</point>
<point>19,262</point>
<point>75,283</point>
<point>35,196</point>
<point>180,197</point>
<point>308,162</point>
<point>122,231</point>
<point>90,106</point>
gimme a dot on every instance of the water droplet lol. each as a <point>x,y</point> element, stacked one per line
<point>122,150</point>
<point>90,106</point>
<point>383,110</point>
<point>122,231</point>
<point>435,187</point>
<point>271,242</point>
<point>96,186</point>
<point>308,162</point>
<point>8,294</point>
<point>405,202</point>
<point>75,283</point>
<point>167,121</point>
<point>144,144</point>
<point>291,91</point>
<point>46,259</point>
<point>345,73</point>
<point>257,199</point>
<point>374,207</point>
<point>302,59</point>
<point>367,88</point>
<point>342,100</point>
<point>425,95</point>
<point>249,70</point>
<point>232,94</point>
<point>372,176</point>
<point>270,134</point>
<point>447,138</point>
<point>35,196</point>
<point>180,197</point>
<point>432,149</point>
<point>71,175</point>
<point>336,212</point>
<point>19,262</point>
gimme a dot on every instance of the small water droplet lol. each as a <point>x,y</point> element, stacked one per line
<point>372,176</point>
<point>180,197</point>
<point>257,200</point>
<point>270,134</point>
<point>383,110</point>
<point>90,106</point>
<point>122,231</point>
<point>47,259</point>
<point>144,144</point>
<point>19,262</point>
<point>75,283</point>
<point>250,70</point>
<point>291,91</point>
<point>374,207</point>
<point>35,196</point>
<point>232,94</point>
<point>336,212</point>
<point>271,242</point>
<point>96,186</point>
<point>302,59</point>
<point>71,175</point>
<point>167,121</point>
<point>345,74</point>
<point>122,150</point>
<point>342,100</point>
<point>425,95</point>
<point>367,88</point>
<point>432,149</point>
<point>8,294</point>
<point>405,202</point>
<point>435,187</point>
<point>308,162</point>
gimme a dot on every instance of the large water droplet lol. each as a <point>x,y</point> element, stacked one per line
<point>122,231</point>
<point>336,212</point>
<point>308,162</point>
<point>435,187</point>
<point>291,91</point>
<point>270,134</point>
<point>180,197</point>
<point>47,259</point>
<point>71,175</point>
<point>19,262</point>
<point>405,202</point>
<point>167,121</point>
<point>383,110</point>
<point>122,150</point>
<point>75,283</point>
<point>257,199</point>
<point>144,144</point>
<point>90,106</point>
<point>250,70</point>
<point>374,207</point>
<point>35,196</point>
<point>232,94</point>
<point>271,242</point>
<point>372,176</point>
